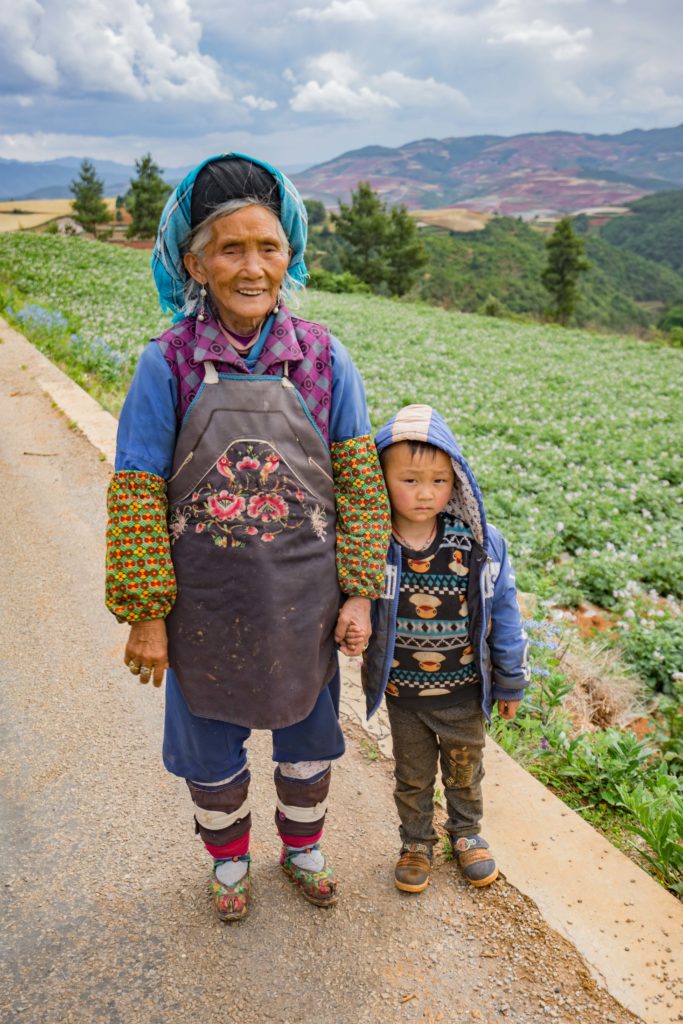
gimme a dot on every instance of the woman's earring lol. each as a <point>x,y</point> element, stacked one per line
<point>201,315</point>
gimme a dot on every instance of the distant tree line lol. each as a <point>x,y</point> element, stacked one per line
<point>500,271</point>
<point>377,249</point>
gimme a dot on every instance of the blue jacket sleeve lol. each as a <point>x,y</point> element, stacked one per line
<point>507,640</point>
<point>148,425</point>
<point>349,413</point>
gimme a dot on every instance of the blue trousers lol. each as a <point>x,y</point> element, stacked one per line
<point>205,750</point>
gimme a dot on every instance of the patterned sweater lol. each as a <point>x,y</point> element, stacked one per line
<point>434,663</point>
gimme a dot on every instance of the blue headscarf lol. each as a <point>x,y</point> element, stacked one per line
<point>169,271</point>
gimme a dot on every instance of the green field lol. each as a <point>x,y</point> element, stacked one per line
<point>576,438</point>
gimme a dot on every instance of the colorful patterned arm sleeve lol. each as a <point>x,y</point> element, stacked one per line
<point>140,581</point>
<point>363,519</point>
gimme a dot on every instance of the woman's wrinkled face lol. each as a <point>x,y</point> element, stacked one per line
<point>242,267</point>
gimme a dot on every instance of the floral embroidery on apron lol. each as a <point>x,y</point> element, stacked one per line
<point>250,493</point>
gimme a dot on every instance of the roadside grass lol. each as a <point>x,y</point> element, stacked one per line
<point>575,439</point>
<point>628,788</point>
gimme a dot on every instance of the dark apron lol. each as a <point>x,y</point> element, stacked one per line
<point>252,528</point>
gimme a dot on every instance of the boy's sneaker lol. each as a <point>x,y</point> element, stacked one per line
<point>413,867</point>
<point>475,859</point>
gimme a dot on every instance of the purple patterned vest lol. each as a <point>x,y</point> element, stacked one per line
<point>305,346</point>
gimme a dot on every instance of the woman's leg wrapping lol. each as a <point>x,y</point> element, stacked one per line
<point>302,781</point>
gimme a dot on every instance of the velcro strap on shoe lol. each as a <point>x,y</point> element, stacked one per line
<point>468,857</point>
<point>413,859</point>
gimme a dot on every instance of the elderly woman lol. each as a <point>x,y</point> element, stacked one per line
<point>246,506</point>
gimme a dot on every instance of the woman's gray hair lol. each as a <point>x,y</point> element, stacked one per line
<point>200,237</point>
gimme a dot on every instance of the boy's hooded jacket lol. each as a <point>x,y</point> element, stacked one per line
<point>496,632</point>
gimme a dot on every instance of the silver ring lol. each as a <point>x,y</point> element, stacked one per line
<point>145,670</point>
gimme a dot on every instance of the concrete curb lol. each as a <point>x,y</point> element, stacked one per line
<point>628,929</point>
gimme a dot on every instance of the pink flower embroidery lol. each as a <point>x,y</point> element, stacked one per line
<point>225,505</point>
<point>223,467</point>
<point>248,463</point>
<point>195,496</point>
<point>270,464</point>
<point>199,528</point>
<point>267,507</point>
<point>268,536</point>
<point>251,530</point>
<point>299,495</point>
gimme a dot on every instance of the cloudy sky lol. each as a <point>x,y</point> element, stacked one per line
<point>300,82</point>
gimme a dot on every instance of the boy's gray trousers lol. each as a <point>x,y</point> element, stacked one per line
<point>455,737</point>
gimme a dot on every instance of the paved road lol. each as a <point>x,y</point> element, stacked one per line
<point>104,914</point>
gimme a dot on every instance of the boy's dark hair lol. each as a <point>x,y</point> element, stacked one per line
<point>416,448</point>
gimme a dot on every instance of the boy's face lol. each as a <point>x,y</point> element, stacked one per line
<point>419,485</point>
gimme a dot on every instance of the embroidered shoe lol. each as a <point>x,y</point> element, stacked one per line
<point>231,902</point>
<point>413,867</point>
<point>475,860</point>
<point>319,887</point>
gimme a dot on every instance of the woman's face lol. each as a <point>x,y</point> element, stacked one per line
<point>242,267</point>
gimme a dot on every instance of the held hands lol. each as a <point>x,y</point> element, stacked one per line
<point>508,708</point>
<point>353,628</point>
<point>146,653</point>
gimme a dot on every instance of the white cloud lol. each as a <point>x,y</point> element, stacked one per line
<point>335,66</point>
<point>143,50</point>
<point>52,146</point>
<point>258,103</point>
<point>338,10</point>
<point>418,92</point>
<point>562,43</point>
<point>338,87</point>
<point>18,30</point>
<point>653,98</point>
<point>339,98</point>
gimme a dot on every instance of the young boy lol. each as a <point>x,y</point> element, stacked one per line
<point>447,641</point>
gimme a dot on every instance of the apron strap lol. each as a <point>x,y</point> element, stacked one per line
<point>210,374</point>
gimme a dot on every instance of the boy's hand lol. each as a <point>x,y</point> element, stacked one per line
<point>508,708</point>
<point>353,628</point>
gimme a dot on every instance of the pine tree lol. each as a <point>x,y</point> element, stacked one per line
<point>561,275</point>
<point>87,189</point>
<point>406,254</point>
<point>146,198</point>
<point>317,214</point>
<point>362,227</point>
<point>380,248</point>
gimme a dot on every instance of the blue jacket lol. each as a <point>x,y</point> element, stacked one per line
<point>496,632</point>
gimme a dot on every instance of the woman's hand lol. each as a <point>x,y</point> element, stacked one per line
<point>353,628</point>
<point>146,652</point>
<point>508,708</point>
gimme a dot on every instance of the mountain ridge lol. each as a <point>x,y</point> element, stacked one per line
<point>532,174</point>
